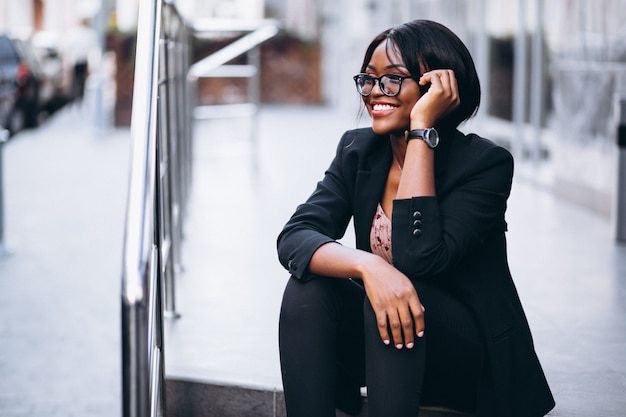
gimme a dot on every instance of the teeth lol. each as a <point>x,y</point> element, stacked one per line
<point>383,107</point>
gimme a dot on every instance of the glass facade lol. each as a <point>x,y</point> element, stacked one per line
<point>551,73</point>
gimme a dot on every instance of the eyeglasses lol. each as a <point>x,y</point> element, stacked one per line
<point>389,84</point>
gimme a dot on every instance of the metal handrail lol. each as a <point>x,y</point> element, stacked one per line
<point>215,65</point>
<point>159,181</point>
<point>265,30</point>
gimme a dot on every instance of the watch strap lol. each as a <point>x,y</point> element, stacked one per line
<point>428,135</point>
<point>414,134</point>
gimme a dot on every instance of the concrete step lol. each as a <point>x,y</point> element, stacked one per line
<point>187,398</point>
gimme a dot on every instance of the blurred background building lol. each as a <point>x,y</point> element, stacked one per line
<point>552,72</point>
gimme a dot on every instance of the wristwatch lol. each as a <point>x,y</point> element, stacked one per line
<point>430,136</point>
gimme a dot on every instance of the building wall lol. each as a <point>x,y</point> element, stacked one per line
<point>586,44</point>
<point>29,16</point>
<point>16,15</point>
<point>237,9</point>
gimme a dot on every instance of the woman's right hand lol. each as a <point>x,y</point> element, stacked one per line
<point>395,303</point>
<point>441,98</point>
<point>390,292</point>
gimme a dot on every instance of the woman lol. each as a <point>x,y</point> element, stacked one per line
<point>423,311</point>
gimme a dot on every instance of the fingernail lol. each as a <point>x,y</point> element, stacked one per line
<point>399,346</point>
<point>409,345</point>
<point>420,334</point>
<point>386,341</point>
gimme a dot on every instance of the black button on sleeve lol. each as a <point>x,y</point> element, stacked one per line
<point>417,224</point>
<point>293,267</point>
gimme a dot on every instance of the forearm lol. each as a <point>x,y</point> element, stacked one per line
<point>335,260</point>
<point>418,178</point>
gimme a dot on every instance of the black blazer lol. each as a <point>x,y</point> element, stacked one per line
<point>459,246</point>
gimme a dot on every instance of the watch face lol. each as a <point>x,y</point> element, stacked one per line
<point>432,137</point>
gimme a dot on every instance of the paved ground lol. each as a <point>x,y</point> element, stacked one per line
<point>65,194</point>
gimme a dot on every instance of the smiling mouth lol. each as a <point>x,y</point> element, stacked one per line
<point>383,107</point>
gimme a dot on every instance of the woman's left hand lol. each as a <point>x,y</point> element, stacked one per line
<point>441,98</point>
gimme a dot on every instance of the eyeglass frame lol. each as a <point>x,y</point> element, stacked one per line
<point>400,78</point>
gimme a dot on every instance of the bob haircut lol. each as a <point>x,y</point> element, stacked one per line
<point>424,46</point>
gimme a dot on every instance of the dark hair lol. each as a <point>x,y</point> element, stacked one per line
<point>424,46</point>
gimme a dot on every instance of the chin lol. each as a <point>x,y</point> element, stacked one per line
<point>378,130</point>
<point>387,130</point>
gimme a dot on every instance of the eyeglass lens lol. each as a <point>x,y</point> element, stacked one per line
<point>390,86</point>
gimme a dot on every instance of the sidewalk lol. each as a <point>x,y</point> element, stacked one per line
<point>65,195</point>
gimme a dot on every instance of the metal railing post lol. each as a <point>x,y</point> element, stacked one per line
<point>621,171</point>
<point>4,137</point>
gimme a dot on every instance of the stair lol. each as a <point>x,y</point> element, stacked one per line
<point>187,398</point>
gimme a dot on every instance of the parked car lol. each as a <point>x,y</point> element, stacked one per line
<point>59,73</point>
<point>25,90</point>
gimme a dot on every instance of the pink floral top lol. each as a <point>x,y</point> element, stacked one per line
<point>380,235</point>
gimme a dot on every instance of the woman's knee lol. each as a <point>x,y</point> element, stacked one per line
<point>320,300</point>
<point>302,298</point>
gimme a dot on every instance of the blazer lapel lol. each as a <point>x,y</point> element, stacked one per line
<point>370,185</point>
<point>372,177</point>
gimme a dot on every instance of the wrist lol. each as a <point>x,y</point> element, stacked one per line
<point>420,124</point>
<point>367,263</point>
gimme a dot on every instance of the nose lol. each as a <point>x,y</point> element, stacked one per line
<point>377,86</point>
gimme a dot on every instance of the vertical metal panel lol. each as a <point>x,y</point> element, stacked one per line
<point>620,222</point>
<point>537,83</point>
<point>519,80</point>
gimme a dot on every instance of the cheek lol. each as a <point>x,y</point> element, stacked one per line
<point>411,91</point>
<point>367,107</point>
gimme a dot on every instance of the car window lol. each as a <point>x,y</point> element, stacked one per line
<point>7,51</point>
<point>25,51</point>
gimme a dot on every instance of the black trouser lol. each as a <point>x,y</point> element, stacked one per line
<point>80,79</point>
<point>328,339</point>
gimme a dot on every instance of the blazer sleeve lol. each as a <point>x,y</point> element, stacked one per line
<point>430,235</point>
<point>323,218</point>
